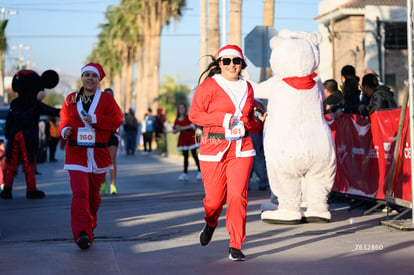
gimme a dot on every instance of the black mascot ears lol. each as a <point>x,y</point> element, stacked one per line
<point>50,79</point>
<point>29,80</point>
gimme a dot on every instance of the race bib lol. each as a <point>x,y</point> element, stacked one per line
<point>236,131</point>
<point>86,137</point>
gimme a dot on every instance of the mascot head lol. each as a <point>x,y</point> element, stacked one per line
<point>294,53</point>
<point>30,86</point>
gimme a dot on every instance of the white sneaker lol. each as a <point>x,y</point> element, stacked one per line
<point>183,176</point>
<point>199,176</point>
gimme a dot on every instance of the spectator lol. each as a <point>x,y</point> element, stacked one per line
<point>160,137</point>
<point>259,162</point>
<point>351,95</point>
<point>131,129</point>
<point>348,72</point>
<point>187,140</point>
<point>378,97</point>
<point>334,98</point>
<point>148,131</point>
<point>53,137</point>
<point>363,98</point>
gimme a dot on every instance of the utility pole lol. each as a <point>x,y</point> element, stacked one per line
<point>4,12</point>
<point>22,47</point>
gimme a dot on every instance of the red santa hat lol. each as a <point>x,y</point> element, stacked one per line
<point>230,50</point>
<point>94,67</point>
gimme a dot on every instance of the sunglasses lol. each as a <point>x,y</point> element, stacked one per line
<point>236,61</point>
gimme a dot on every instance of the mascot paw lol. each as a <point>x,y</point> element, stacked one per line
<point>37,194</point>
<point>317,217</point>
<point>6,193</point>
<point>281,217</point>
<point>268,206</point>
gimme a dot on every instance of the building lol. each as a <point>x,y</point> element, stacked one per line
<point>365,34</point>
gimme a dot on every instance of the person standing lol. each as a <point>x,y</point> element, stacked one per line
<point>160,136</point>
<point>53,138</point>
<point>259,162</point>
<point>378,97</point>
<point>131,129</point>
<point>113,149</point>
<point>187,140</point>
<point>223,106</point>
<point>333,97</point>
<point>148,132</point>
<point>87,119</point>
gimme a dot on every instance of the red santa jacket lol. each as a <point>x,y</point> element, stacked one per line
<point>106,117</point>
<point>212,106</point>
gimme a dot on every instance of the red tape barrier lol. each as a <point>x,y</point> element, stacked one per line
<point>365,151</point>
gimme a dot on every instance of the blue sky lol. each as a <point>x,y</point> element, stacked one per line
<point>61,34</point>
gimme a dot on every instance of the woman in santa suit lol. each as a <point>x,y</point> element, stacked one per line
<point>187,140</point>
<point>87,119</point>
<point>223,106</point>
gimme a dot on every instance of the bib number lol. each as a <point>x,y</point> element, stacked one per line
<point>86,137</point>
<point>236,131</point>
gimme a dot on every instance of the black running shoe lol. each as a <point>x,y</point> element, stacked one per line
<point>236,254</point>
<point>83,241</point>
<point>206,234</point>
<point>35,194</point>
<point>6,193</point>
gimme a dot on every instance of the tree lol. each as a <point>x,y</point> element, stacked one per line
<point>155,14</point>
<point>3,48</point>
<point>268,20</point>
<point>132,37</point>
<point>213,27</point>
<point>53,98</point>
<point>172,94</point>
<point>235,22</point>
<point>203,36</point>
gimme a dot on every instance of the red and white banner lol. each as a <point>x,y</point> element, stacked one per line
<point>365,151</point>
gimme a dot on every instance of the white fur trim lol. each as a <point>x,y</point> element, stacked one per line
<point>90,68</point>
<point>229,52</point>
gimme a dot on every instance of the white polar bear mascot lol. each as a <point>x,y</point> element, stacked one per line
<point>298,143</point>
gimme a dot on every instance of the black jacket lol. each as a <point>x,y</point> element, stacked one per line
<point>381,99</point>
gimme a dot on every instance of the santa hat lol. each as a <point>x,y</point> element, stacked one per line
<point>94,67</point>
<point>230,50</point>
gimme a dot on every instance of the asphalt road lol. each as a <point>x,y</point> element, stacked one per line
<point>152,226</point>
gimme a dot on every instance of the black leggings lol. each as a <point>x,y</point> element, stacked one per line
<point>195,157</point>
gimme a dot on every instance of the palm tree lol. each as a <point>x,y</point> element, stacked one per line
<point>132,37</point>
<point>203,35</point>
<point>268,20</point>
<point>235,22</point>
<point>155,14</point>
<point>3,48</point>
<point>213,27</point>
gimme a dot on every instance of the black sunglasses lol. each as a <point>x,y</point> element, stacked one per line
<point>236,61</point>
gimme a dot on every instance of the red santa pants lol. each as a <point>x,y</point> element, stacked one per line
<point>226,182</point>
<point>19,153</point>
<point>85,202</point>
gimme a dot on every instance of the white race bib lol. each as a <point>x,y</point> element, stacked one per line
<point>236,131</point>
<point>86,137</point>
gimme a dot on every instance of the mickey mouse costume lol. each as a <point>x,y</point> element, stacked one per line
<point>22,128</point>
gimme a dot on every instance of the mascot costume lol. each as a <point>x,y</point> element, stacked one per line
<point>22,128</point>
<point>298,143</point>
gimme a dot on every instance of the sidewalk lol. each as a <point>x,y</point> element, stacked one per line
<point>152,227</point>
